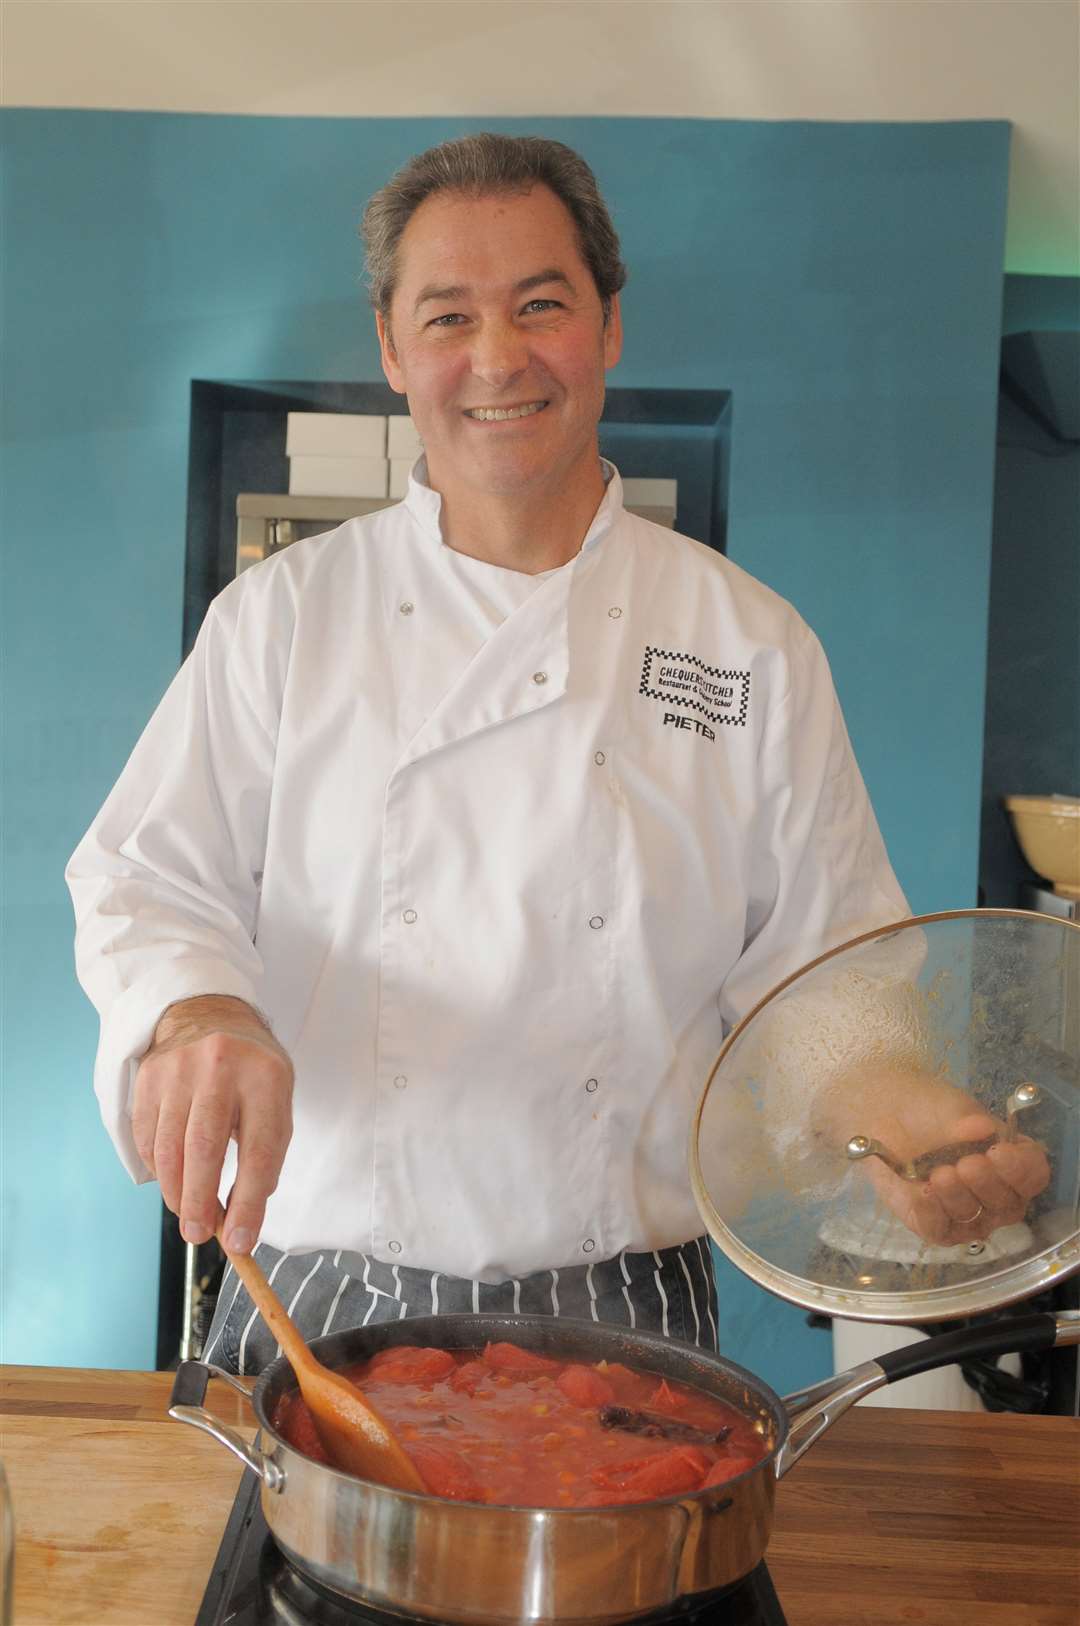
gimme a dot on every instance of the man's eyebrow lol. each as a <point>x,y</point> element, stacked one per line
<point>539,278</point>
<point>458,290</point>
<point>434,291</point>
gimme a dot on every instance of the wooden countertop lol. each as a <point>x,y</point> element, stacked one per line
<point>895,1517</point>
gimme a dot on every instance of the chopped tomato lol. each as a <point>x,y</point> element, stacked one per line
<point>468,1378</point>
<point>409,1364</point>
<point>444,1472</point>
<point>664,1398</point>
<point>585,1387</point>
<point>612,1473</point>
<point>681,1469</point>
<point>727,1468</point>
<point>618,1374</point>
<point>518,1363</point>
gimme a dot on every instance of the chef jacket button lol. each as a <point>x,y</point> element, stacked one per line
<point>588,1245</point>
<point>395,1247</point>
<point>596,922</point>
<point>405,607</point>
<point>592,1084</point>
<point>408,916</point>
<point>599,759</point>
<point>539,677</point>
<point>614,612</point>
<point>400,1081</point>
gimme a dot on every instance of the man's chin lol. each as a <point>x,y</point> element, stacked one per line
<point>493,471</point>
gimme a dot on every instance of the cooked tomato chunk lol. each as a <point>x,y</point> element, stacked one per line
<point>681,1468</point>
<point>585,1387</point>
<point>410,1364</point>
<point>469,1377</point>
<point>519,1363</point>
<point>444,1472</point>
<point>727,1468</point>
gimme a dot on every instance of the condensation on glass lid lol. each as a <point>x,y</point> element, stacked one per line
<point>861,1070</point>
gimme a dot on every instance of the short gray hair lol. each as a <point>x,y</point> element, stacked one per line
<point>479,166</point>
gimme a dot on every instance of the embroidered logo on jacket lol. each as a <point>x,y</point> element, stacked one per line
<point>720,695</point>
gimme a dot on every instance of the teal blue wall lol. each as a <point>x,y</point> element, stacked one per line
<point>844,281</point>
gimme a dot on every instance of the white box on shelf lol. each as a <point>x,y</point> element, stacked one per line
<point>335,434</point>
<point>402,439</point>
<point>399,475</point>
<point>338,476</point>
<point>651,493</point>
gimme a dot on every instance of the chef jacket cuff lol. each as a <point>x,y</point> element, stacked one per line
<point>127,1032</point>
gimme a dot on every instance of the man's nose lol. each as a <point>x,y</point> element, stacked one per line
<point>500,353</point>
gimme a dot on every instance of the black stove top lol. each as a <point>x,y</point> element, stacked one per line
<point>253,1584</point>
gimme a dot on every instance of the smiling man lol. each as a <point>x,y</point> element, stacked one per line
<point>469,829</point>
<point>497,331</point>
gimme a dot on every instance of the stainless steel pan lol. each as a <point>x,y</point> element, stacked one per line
<point>476,1565</point>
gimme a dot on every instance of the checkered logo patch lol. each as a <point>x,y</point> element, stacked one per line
<point>719,694</point>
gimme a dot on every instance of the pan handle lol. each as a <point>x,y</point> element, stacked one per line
<point>186,1406</point>
<point>811,1411</point>
<point>1009,1334</point>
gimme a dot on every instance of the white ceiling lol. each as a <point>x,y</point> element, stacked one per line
<point>745,59</point>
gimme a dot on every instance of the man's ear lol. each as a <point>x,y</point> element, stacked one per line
<point>613,333</point>
<point>388,355</point>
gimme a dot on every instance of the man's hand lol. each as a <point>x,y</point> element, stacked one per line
<point>214,1072</point>
<point>912,1113</point>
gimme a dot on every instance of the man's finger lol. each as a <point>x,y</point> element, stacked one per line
<point>206,1141</point>
<point>262,1142</point>
<point>987,1187</point>
<point>144,1117</point>
<point>917,1207</point>
<point>956,1198</point>
<point>1022,1164</point>
<point>924,1214</point>
<point>169,1147</point>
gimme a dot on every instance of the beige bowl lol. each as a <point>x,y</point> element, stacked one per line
<point>1048,830</point>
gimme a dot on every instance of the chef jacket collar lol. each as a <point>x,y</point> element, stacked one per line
<point>425,505</point>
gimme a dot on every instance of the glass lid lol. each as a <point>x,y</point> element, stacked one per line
<point>893,1134</point>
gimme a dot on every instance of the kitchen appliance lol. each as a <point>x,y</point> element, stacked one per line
<point>951,994</point>
<point>252,1583</point>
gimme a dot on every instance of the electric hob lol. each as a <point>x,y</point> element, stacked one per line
<point>252,1583</point>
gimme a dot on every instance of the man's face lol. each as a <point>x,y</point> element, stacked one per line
<point>495,312</point>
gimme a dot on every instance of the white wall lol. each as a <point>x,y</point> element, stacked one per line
<point>739,59</point>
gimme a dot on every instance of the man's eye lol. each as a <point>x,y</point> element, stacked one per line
<point>542,305</point>
<point>451,319</point>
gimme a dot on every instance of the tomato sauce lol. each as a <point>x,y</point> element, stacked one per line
<point>506,1426</point>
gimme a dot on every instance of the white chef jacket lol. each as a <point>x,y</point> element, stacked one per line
<point>500,881</point>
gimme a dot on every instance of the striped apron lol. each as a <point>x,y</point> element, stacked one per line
<point>672,1291</point>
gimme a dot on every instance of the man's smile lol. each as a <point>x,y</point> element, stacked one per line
<point>499,414</point>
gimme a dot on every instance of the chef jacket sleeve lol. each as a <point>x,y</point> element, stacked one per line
<point>818,873</point>
<point>165,884</point>
<point>819,876</point>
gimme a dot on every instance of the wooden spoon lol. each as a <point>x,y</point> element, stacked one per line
<point>352,1433</point>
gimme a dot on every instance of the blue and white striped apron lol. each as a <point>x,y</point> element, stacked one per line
<point>671,1291</point>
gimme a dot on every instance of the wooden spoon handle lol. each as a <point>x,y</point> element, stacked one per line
<point>271,1309</point>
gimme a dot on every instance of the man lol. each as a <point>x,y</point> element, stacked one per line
<point>466,830</point>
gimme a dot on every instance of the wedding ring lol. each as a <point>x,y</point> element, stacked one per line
<point>978,1214</point>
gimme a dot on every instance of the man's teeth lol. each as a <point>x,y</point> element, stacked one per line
<point>497,414</point>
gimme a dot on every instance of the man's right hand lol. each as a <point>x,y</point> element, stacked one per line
<point>214,1072</point>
